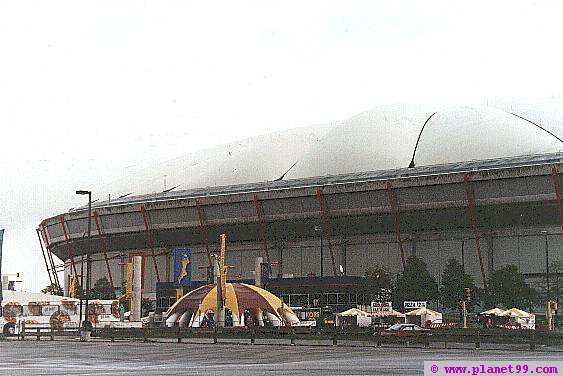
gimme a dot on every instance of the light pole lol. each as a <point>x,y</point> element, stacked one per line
<point>546,265</point>
<point>319,228</point>
<point>463,254</point>
<point>88,254</point>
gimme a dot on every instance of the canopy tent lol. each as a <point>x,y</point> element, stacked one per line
<point>360,318</point>
<point>521,319</point>
<point>515,312</point>
<point>423,311</point>
<point>494,312</point>
<point>423,317</point>
<point>353,312</point>
<point>238,298</point>
<point>390,313</point>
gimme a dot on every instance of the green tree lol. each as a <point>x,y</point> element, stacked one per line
<point>507,287</point>
<point>80,294</point>
<point>102,290</point>
<point>378,284</point>
<point>415,283</point>
<point>454,283</point>
<point>52,289</point>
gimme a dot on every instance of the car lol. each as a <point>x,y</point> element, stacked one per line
<point>405,330</point>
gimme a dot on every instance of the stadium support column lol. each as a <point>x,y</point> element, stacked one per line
<point>557,193</point>
<point>150,240</point>
<point>49,255</point>
<point>136,296</point>
<point>69,249</point>
<point>326,227</point>
<point>262,230</point>
<point>394,216</point>
<point>44,258</point>
<point>202,234</point>
<point>473,222</point>
<point>104,245</point>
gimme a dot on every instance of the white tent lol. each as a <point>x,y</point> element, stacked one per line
<point>423,316</point>
<point>517,316</point>
<point>362,318</point>
<point>515,312</point>
<point>390,313</point>
<point>493,312</point>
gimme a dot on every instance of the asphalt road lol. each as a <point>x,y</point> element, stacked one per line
<point>116,358</point>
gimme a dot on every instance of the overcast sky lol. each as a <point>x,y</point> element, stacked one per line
<point>91,89</point>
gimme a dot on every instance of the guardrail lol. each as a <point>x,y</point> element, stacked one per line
<point>292,334</point>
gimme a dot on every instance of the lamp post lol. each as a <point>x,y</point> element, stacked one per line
<point>463,254</point>
<point>544,232</point>
<point>319,228</point>
<point>88,252</point>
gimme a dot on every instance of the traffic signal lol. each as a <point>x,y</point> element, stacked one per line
<point>467,294</point>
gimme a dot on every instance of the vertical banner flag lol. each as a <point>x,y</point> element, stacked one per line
<point>182,267</point>
<point>130,260</point>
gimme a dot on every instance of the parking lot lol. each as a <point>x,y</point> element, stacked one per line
<point>124,357</point>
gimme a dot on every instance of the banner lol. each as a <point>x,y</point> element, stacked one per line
<point>182,267</point>
<point>381,307</point>
<point>129,284</point>
<point>414,305</point>
<point>130,259</point>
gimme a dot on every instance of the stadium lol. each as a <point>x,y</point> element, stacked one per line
<point>321,204</point>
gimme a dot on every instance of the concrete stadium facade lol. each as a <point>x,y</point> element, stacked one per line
<point>485,205</point>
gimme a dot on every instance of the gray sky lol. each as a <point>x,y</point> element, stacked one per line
<point>91,89</point>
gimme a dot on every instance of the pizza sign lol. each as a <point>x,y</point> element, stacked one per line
<point>414,305</point>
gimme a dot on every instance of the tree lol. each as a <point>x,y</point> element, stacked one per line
<point>80,294</point>
<point>378,284</point>
<point>53,289</point>
<point>454,283</point>
<point>415,283</point>
<point>102,290</point>
<point>507,287</point>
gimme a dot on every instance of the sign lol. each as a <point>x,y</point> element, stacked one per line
<point>312,315</point>
<point>49,310</point>
<point>414,305</point>
<point>182,267</point>
<point>381,307</point>
<point>304,323</point>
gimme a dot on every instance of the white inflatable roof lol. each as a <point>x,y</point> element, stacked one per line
<point>378,139</point>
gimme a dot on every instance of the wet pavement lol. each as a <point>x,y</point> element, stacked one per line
<point>114,358</point>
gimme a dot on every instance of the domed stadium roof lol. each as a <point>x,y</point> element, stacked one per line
<point>384,137</point>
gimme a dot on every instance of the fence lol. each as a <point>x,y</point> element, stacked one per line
<point>333,335</point>
<point>45,330</point>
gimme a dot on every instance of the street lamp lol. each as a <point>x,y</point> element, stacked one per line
<point>463,254</point>
<point>319,228</point>
<point>544,232</point>
<point>88,253</point>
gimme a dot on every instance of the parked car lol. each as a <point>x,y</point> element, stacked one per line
<point>405,330</point>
